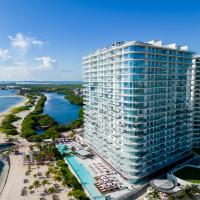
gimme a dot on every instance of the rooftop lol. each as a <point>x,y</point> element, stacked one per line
<point>153,43</point>
<point>164,185</point>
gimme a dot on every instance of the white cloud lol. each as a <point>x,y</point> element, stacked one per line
<point>15,71</point>
<point>23,42</point>
<point>4,55</point>
<point>47,62</point>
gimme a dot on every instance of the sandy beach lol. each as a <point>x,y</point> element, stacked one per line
<point>15,181</point>
<point>2,114</point>
<point>3,139</point>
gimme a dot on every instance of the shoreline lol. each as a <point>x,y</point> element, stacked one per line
<point>4,173</point>
<point>8,170</point>
<point>14,106</point>
<point>6,112</point>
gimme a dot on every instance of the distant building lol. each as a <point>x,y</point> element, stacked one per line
<point>137,112</point>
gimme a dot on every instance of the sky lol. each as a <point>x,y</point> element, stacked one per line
<point>46,39</point>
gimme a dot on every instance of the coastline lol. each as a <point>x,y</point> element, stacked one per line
<point>6,167</point>
<point>8,171</point>
<point>14,106</point>
<point>8,111</point>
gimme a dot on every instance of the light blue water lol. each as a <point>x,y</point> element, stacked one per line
<point>60,108</point>
<point>85,177</point>
<point>8,99</point>
<point>62,149</point>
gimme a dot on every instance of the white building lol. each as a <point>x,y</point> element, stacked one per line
<point>138,106</point>
<point>196,100</point>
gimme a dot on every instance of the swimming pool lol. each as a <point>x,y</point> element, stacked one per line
<point>62,148</point>
<point>85,177</point>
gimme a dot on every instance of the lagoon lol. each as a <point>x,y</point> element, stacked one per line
<point>60,108</point>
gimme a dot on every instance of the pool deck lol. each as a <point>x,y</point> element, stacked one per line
<point>81,168</point>
<point>82,174</point>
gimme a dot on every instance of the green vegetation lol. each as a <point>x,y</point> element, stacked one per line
<point>66,89</point>
<point>81,113</point>
<point>51,128</point>
<point>62,173</point>
<point>188,173</point>
<point>36,119</point>
<point>47,152</point>
<point>40,105</point>
<point>7,127</point>
<point>20,109</point>
<point>31,98</point>
<point>45,120</point>
<point>78,194</point>
<point>75,99</point>
<point>58,172</point>
<point>28,125</point>
<point>153,194</point>
<point>189,193</point>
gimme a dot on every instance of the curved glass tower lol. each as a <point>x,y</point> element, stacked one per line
<point>137,108</point>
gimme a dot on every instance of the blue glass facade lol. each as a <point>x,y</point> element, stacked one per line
<point>196,101</point>
<point>138,107</point>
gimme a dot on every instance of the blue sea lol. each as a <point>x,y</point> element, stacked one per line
<point>60,108</point>
<point>8,99</point>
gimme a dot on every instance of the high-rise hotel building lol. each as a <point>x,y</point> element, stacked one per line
<point>196,100</point>
<point>137,110</point>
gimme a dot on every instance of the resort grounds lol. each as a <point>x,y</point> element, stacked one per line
<point>19,181</point>
<point>18,184</point>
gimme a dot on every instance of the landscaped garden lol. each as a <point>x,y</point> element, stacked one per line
<point>188,173</point>
<point>53,175</point>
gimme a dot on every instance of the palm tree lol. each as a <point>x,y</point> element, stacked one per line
<point>64,184</point>
<point>50,169</point>
<point>52,190</point>
<point>44,182</point>
<point>27,158</point>
<point>36,184</point>
<point>153,194</point>
<point>30,187</point>
<point>38,146</point>
<point>170,197</point>
<point>189,192</point>
<point>47,174</point>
